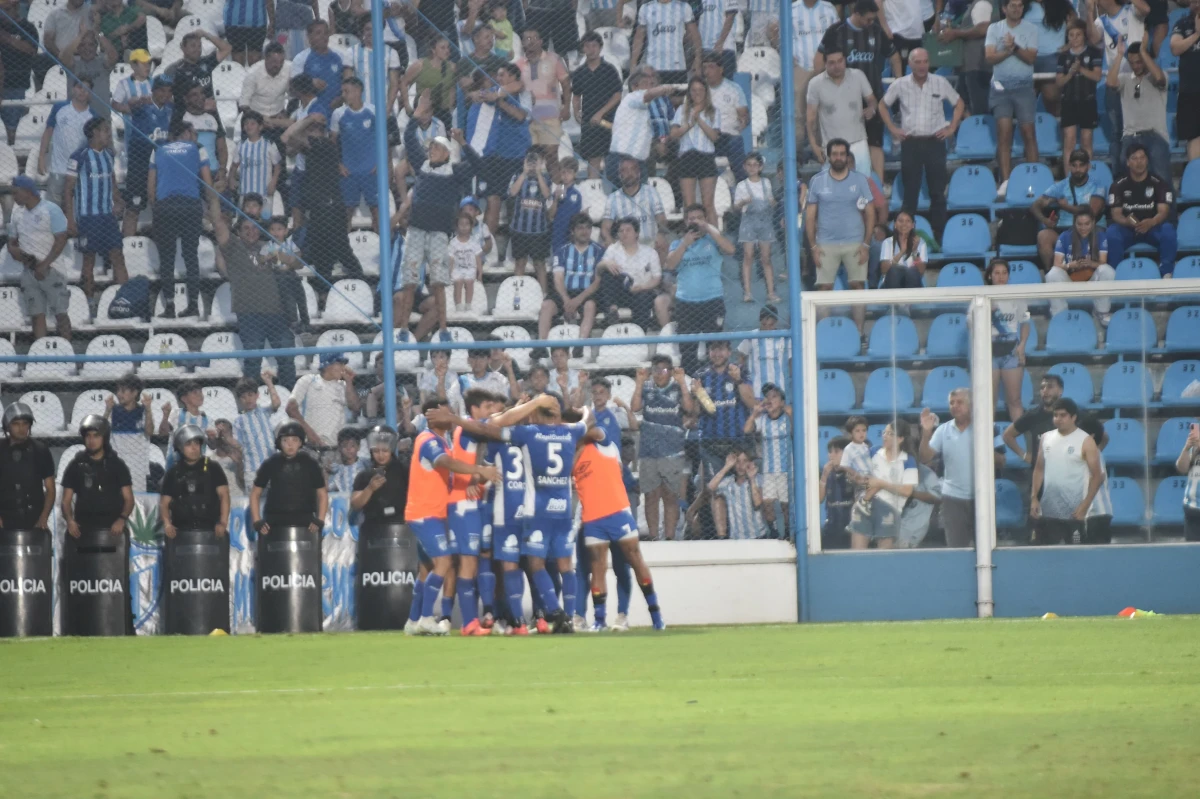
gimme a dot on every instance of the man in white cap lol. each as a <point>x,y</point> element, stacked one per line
<point>37,236</point>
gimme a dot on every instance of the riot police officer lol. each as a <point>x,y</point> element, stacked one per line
<point>381,490</point>
<point>101,482</point>
<point>195,492</point>
<point>297,496</point>
<point>27,488</point>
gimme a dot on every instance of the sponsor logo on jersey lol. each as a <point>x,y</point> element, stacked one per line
<point>104,586</point>
<point>389,578</point>
<point>204,585</point>
<point>282,582</point>
<point>25,586</point>
<point>556,505</point>
<point>535,537</point>
<point>511,544</point>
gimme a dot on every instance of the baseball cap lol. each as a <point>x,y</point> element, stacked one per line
<point>330,358</point>
<point>163,80</point>
<point>25,182</point>
<point>139,55</point>
<point>468,200</point>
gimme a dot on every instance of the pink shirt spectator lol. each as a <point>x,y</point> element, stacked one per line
<point>543,79</point>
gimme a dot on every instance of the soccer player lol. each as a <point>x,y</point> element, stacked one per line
<point>429,488</point>
<point>607,519</point>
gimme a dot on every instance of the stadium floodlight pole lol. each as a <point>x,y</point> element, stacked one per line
<point>791,214</point>
<point>379,81</point>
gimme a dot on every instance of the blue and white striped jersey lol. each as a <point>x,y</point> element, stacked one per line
<point>578,268</point>
<point>776,443</point>
<point>125,90</point>
<point>255,160</point>
<point>729,420</point>
<point>712,22</point>
<point>665,24</point>
<point>93,171</point>
<point>529,207</point>
<point>358,58</point>
<point>343,474</point>
<point>645,206</point>
<point>254,433</point>
<point>246,14</point>
<point>767,359</point>
<point>808,28</point>
<point>425,135</point>
<point>694,139</point>
<point>1102,502</point>
<point>208,129</point>
<point>66,122</point>
<point>745,521</point>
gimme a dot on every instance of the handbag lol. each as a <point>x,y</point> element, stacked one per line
<point>942,54</point>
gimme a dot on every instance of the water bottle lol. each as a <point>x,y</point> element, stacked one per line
<point>517,300</point>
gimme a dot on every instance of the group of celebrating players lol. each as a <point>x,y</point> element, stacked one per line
<point>497,485</point>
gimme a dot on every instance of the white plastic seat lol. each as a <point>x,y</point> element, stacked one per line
<point>119,72</point>
<point>405,360</point>
<point>563,332</point>
<point>227,81</point>
<point>156,37</point>
<point>155,456</point>
<point>219,403</point>
<point>478,305</point>
<point>616,45</point>
<point>622,387</point>
<point>722,202</point>
<point>166,344</point>
<point>310,300</point>
<point>8,164</point>
<point>520,355</point>
<point>220,367</point>
<point>181,301</point>
<point>342,42</point>
<point>668,348</point>
<point>667,197</point>
<point>221,312</point>
<point>12,310</point>
<point>763,64</point>
<point>349,300</point>
<point>54,87</point>
<point>50,345</point>
<point>213,10</point>
<point>189,23</point>
<point>48,416</point>
<point>160,396</point>
<point>29,131</point>
<point>93,400</point>
<point>77,311</point>
<point>365,245</point>
<point>340,338</point>
<point>623,356</point>
<point>141,257</point>
<point>458,357</point>
<point>594,197</point>
<point>108,344</point>
<point>8,369</point>
<point>518,298</point>
<point>264,401</point>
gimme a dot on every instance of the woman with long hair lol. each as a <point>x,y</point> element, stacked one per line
<point>435,72</point>
<point>1010,332</point>
<point>1050,17</point>
<point>876,517</point>
<point>903,255</point>
<point>1079,66</point>
<point>696,126</point>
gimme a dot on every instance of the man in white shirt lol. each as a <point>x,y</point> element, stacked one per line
<point>730,102</point>
<point>319,401</point>
<point>1115,21</point>
<point>63,136</point>
<point>1066,478</point>
<point>632,133</point>
<point>37,236</point>
<point>841,100</point>
<point>904,18</point>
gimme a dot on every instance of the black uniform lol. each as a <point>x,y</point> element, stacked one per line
<point>387,505</point>
<point>23,471</point>
<point>291,485</point>
<point>192,487</point>
<point>97,485</point>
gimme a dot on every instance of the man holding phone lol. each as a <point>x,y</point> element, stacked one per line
<point>699,294</point>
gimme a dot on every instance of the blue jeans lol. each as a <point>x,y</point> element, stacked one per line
<point>1162,238</point>
<point>734,149</point>
<point>1157,149</point>
<point>264,331</point>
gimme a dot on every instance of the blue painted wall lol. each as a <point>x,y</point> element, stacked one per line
<point>897,585</point>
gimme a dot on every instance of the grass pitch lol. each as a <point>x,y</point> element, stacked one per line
<point>1066,708</point>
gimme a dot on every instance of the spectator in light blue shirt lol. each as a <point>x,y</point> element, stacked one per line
<point>1011,48</point>
<point>696,260</point>
<point>953,442</point>
<point>1077,191</point>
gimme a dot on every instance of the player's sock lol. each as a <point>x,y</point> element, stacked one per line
<point>414,610</point>
<point>433,590</point>
<point>487,584</point>
<point>583,578</point>
<point>514,587</point>
<point>598,606</point>
<point>652,602</point>
<point>545,588</point>
<point>556,582</point>
<point>624,579</point>
<point>447,607</point>
<point>468,600</point>
<point>568,592</point>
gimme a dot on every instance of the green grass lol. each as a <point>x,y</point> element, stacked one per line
<point>1067,708</point>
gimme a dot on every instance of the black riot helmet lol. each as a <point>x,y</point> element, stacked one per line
<point>289,429</point>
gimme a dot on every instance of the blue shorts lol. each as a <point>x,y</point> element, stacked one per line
<point>507,542</point>
<point>98,233</point>
<point>1006,361</point>
<point>356,186</point>
<point>434,537</point>
<point>608,529</point>
<point>466,527</point>
<point>549,539</point>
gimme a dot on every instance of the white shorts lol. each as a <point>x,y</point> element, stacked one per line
<point>776,486</point>
<point>462,273</point>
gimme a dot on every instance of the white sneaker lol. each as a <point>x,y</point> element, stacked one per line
<point>412,627</point>
<point>1002,189</point>
<point>429,626</point>
<point>621,623</point>
<point>443,627</point>
<point>579,622</point>
<point>501,628</point>
<point>598,627</point>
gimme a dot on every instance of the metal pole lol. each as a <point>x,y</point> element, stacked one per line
<point>379,75</point>
<point>982,408</point>
<point>791,212</point>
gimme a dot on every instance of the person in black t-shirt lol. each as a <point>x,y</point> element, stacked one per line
<point>1079,70</point>
<point>195,492</point>
<point>297,496</point>
<point>381,491</point>
<point>195,69</point>
<point>18,53</point>
<point>1139,205</point>
<point>1185,43</point>
<point>101,482</point>
<point>26,474</point>
<point>596,90</point>
<point>867,46</point>
<point>1040,421</point>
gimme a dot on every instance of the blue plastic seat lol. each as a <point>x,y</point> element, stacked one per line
<point>1188,267</point>
<point>1099,138</point>
<point>1131,331</point>
<point>1011,459</point>
<point>959,274</point>
<point>1183,330</point>
<point>1077,382</point>
<point>970,187</point>
<point>1026,395</point>
<point>1023,273</point>
<point>947,336</point>
<point>1137,269</point>
<point>825,434</point>
<point>1171,438</point>
<point>1026,183</point>
<point>1189,229</point>
<point>1128,501</point>
<point>921,225</point>
<point>1010,508</point>
<point>1178,377</point>
<point>1189,184</point>
<point>1049,139</point>
<point>898,195</point>
<point>875,434</point>
<point>888,390</point>
<point>1071,332</point>
<point>893,336</point>
<point>1172,100</point>
<point>976,138</point>
<point>837,339</point>
<point>1126,443</point>
<point>835,391</point>
<point>1100,171</point>
<point>1127,384</point>
<point>1168,501</point>
<point>939,383</point>
<point>967,234</point>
